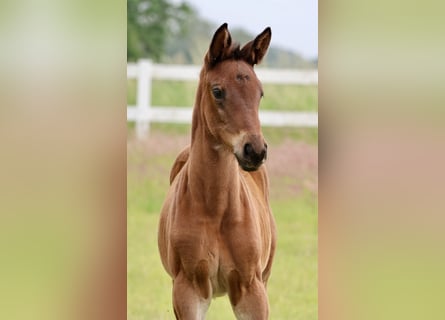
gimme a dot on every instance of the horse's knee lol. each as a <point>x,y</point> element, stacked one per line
<point>192,294</point>
<point>248,299</point>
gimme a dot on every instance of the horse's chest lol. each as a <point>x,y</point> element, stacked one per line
<point>233,237</point>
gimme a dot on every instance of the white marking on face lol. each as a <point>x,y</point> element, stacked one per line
<point>237,142</point>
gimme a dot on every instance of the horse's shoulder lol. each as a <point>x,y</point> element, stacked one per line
<point>181,159</point>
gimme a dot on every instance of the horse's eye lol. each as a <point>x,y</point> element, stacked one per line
<point>218,93</point>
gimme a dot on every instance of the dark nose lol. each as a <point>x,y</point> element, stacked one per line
<point>255,155</point>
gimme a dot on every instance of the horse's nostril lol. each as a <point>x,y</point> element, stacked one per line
<point>263,154</point>
<point>255,156</point>
<point>248,149</point>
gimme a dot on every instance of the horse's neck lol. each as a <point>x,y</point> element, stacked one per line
<point>213,172</point>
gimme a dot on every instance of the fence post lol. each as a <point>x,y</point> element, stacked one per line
<point>143,98</point>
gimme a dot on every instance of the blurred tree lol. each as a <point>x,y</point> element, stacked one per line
<point>190,45</point>
<point>150,23</point>
<point>172,31</point>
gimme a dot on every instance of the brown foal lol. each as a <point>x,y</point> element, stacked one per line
<point>216,232</point>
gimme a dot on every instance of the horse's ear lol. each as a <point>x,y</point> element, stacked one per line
<point>220,44</point>
<point>254,51</point>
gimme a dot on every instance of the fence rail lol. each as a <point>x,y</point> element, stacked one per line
<point>144,113</point>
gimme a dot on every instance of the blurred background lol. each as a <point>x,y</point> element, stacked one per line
<point>167,41</point>
<point>173,31</point>
<point>63,172</point>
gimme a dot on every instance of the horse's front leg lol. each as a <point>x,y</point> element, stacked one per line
<point>191,297</point>
<point>249,300</point>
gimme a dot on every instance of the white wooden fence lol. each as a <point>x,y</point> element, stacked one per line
<point>144,113</point>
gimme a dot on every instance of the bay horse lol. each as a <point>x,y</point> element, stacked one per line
<point>216,232</point>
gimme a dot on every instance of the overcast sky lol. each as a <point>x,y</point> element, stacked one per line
<point>294,23</point>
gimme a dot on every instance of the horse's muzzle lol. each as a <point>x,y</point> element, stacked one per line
<point>253,155</point>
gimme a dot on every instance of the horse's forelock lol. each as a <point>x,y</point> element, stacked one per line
<point>233,53</point>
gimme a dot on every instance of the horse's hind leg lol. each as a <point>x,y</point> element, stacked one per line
<point>249,301</point>
<point>188,303</point>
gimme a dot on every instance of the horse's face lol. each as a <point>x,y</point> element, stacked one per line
<point>231,94</point>
<point>234,92</point>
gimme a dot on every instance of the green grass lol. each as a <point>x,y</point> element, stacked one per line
<point>276,97</point>
<point>292,287</point>
<point>290,98</point>
<point>277,135</point>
